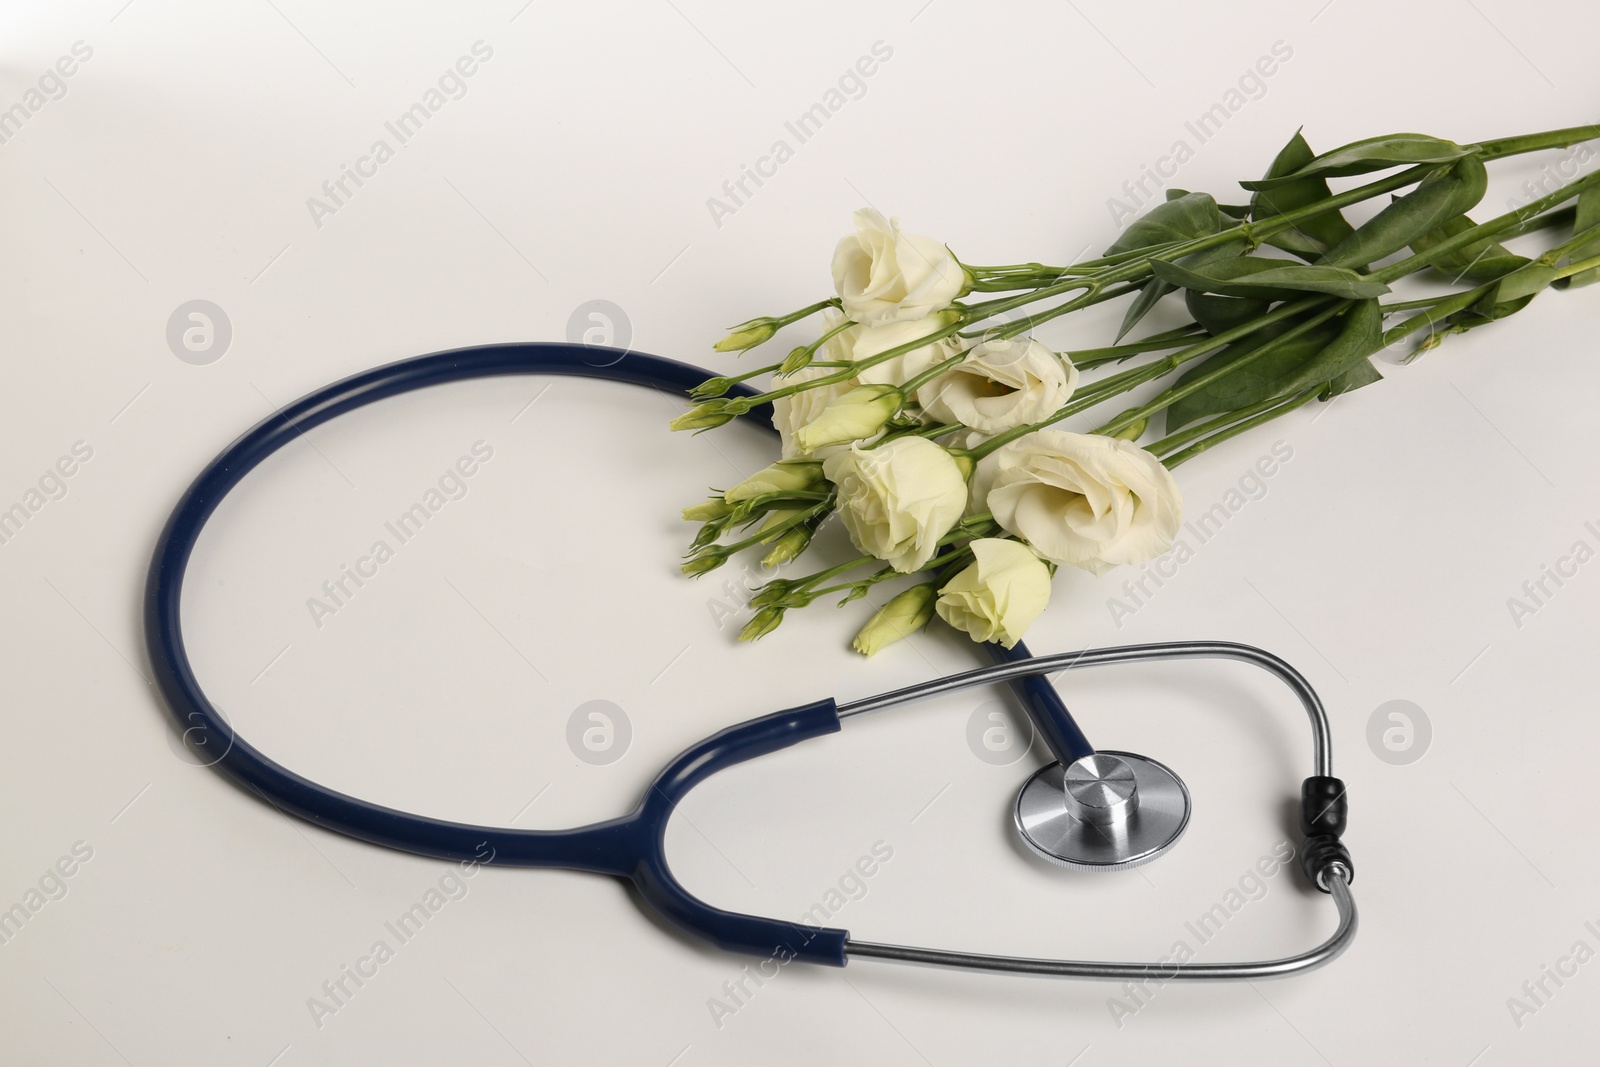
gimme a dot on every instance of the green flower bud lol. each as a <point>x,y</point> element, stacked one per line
<point>704,416</point>
<point>789,546</point>
<point>776,519</point>
<point>798,359</point>
<point>771,593</point>
<point>704,563</point>
<point>747,335</point>
<point>707,536</point>
<point>711,387</point>
<point>785,476</point>
<point>766,620</point>
<point>858,414</point>
<point>901,617</point>
<point>706,510</point>
<point>1133,431</point>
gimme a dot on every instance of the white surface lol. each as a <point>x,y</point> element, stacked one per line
<point>577,166</point>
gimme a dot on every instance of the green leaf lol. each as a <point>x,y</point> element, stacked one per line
<point>1362,374</point>
<point>1481,261</point>
<point>1155,288</point>
<point>1311,237</point>
<point>1150,295</point>
<point>1508,296</point>
<point>1374,153</point>
<point>1249,384</point>
<point>1440,196</point>
<point>1528,281</point>
<point>1183,218</point>
<point>1333,354</point>
<point>1588,218</point>
<point>1269,279</point>
<point>1360,335</point>
<point>1218,314</point>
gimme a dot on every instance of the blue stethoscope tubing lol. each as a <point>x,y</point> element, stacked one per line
<point>629,847</point>
<point>632,846</point>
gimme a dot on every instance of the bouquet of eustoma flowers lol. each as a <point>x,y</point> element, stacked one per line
<point>927,419</point>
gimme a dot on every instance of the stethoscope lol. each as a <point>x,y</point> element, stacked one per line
<point>1093,809</point>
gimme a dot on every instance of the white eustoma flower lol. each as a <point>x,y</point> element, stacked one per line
<point>861,342</point>
<point>790,413</point>
<point>1084,500</point>
<point>1002,384</point>
<point>899,499</point>
<point>999,595</point>
<point>883,274</point>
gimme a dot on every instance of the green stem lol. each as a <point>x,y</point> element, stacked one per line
<point>889,572</point>
<point>808,311</point>
<point>1028,322</point>
<point>1281,408</point>
<point>910,385</point>
<point>1134,269</point>
<point>1534,142</point>
<point>1155,369</point>
<point>1173,442</point>
<point>699,392</point>
<point>746,403</point>
<point>1086,358</point>
<point>1194,385</point>
<point>765,535</point>
<point>972,526</point>
<point>1579,267</point>
<point>1434,315</point>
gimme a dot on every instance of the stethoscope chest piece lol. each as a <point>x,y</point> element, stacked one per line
<point>1107,811</point>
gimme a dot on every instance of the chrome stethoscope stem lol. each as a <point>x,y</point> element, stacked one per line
<point>1321,746</point>
<point>1155,972</point>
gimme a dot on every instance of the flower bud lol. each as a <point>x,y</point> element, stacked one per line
<point>1133,431</point>
<point>747,335</point>
<point>856,415</point>
<point>798,359</point>
<point>785,476</point>
<point>711,387</point>
<point>704,416</point>
<point>706,510</point>
<point>766,620</point>
<point>773,592</point>
<point>776,519</point>
<point>789,546</point>
<point>902,616</point>
<point>704,563</point>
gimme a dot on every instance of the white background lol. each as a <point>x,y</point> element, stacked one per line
<point>577,166</point>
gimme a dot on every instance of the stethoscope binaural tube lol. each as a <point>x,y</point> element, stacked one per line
<point>630,847</point>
